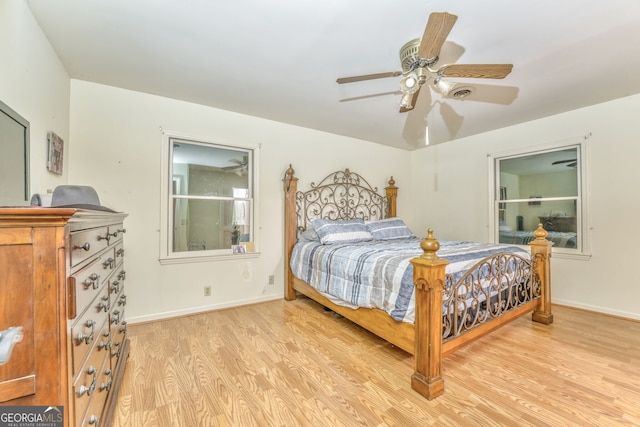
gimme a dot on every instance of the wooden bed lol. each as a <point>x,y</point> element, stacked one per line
<point>347,195</point>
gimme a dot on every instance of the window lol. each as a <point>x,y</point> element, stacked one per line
<point>545,187</point>
<point>209,200</point>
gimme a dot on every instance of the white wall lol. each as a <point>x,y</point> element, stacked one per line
<point>451,195</point>
<point>117,149</point>
<point>34,84</point>
<point>113,143</point>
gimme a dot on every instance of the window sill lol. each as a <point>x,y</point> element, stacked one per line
<point>576,256</point>
<point>167,260</point>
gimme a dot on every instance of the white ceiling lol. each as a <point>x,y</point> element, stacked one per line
<point>279,59</point>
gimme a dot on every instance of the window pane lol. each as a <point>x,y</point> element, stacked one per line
<point>210,224</point>
<point>208,171</point>
<point>521,219</point>
<point>552,174</point>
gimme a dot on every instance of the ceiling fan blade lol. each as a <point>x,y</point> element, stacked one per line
<point>342,80</point>
<point>413,102</point>
<point>435,33</point>
<point>479,71</point>
<point>559,162</point>
<point>373,95</point>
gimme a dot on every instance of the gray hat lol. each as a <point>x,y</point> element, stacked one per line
<point>77,196</point>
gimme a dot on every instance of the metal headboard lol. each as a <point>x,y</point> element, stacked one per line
<point>340,195</point>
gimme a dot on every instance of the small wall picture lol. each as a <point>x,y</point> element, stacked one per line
<point>239,249</point>
<point>56,151</point>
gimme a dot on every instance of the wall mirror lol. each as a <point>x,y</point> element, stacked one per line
<point>14,158</point>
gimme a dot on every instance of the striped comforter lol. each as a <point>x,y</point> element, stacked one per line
<point>378,274</point>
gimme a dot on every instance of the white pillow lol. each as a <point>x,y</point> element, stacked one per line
<point>341,231</point>
<point>308,235</point>
<point>503,226</point>
<point>389,229</point>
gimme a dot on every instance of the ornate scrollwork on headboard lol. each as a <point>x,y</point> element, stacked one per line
<point>340,195</point>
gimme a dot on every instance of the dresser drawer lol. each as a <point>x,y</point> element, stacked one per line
<point>119,252</point>
<point>88,281</point>
<point>118,328</point>
<point>116,283</point>
<point>93,415</point>
<point>90,390</point>
<point>86,243</point>
<point>86,331</point>
<point>116,232</point>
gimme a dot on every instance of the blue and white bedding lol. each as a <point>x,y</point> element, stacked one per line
<point>378,274</point>
<point>560,239</point>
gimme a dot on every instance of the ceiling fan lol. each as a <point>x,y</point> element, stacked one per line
<point>240,165</point>
<point>418,56</point>
<point>571,163</point>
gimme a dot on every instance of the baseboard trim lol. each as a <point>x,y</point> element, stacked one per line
<point>597,309</point>
<point>232,304</point>
<point>196,310</point>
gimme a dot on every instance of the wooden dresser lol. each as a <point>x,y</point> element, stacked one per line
<point>62,280</point>
<point>559,223</point>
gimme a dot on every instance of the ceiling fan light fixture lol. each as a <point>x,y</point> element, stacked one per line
<point>410,83</point>
<point>443,86</point>
<point>406,101</point>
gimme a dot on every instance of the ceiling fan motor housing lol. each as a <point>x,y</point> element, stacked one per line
<point>409,58</point>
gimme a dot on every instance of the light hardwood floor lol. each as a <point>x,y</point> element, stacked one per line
<point>293,364</point>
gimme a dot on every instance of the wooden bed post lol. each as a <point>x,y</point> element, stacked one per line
<point>429,280</point>
<point>392,194</point>
<point>541,252</point>
<point>290,229</point>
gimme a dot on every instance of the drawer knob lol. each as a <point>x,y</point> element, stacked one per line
<point>107,386</point>
<point>115,286</point>
<point>87,338</point>
<point>103,306</point>
<point>116,353</point>
<point>86,246</point>
<point>89,390</point>
<point>116,317</point>
<point>93,419</point>
<point>91,281</point>
<point>108,263</point>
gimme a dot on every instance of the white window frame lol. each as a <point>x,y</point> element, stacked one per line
<point>167,256</point>
<point>582,209</point>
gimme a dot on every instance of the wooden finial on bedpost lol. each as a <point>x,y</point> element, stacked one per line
<point>290,229</point>
<point>430,246</point>
<point>429,280</point>
<point>541,253</point>
<point>392,195</point>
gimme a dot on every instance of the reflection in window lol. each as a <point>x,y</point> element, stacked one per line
<point>211,196</point>
<point>541,187</point>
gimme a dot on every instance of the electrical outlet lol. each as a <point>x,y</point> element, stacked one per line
<point>271,280</point>
<point>207,291</point>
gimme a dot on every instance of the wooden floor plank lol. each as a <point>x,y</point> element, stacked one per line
<point>294,364</point>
